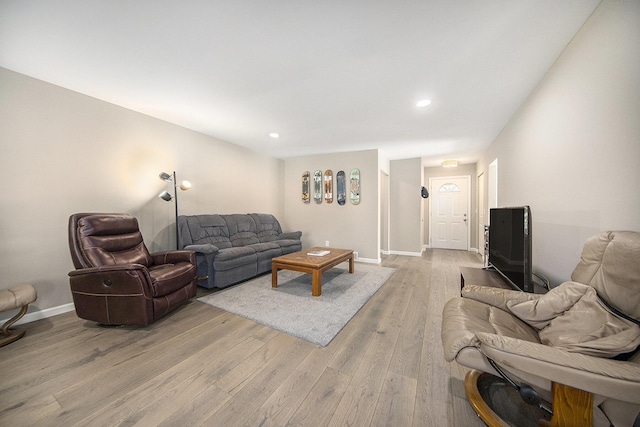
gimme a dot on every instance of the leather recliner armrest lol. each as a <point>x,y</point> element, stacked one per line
<point>496,297</point>
<point>107,269</point>
<point>127,279</point>
<point>173,257</point>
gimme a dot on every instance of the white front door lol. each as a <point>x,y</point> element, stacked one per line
<point>450,212</point>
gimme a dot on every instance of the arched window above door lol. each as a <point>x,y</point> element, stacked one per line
<point>448,188</point>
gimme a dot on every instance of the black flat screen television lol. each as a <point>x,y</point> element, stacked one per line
<point>510,245</point>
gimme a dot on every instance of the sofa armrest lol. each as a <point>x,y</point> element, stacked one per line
<point>292,235</point>
<point>173,257</point>
<point>207,248</point>
<point>606,377</point>
<point>204,262</point>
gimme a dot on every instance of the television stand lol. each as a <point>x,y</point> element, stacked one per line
<point>483,277</point>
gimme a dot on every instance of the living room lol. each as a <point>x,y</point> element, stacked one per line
<point>570,152</point>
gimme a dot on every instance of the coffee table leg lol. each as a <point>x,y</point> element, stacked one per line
<point>351,264</point>
<point>274,276</point>
<point>316,283</point>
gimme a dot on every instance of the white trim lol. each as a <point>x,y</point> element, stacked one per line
<point>42,314</point>
<point>492,184</point>
<point>405,253</point>
<point>385,252</point>
<point>369,260</point>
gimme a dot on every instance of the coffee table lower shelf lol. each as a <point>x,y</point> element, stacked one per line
<point>314,265</point>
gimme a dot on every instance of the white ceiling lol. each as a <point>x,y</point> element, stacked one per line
<point>328,76</point>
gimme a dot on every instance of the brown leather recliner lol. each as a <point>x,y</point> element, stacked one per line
<point>576,346</point>
<point>117,281</point>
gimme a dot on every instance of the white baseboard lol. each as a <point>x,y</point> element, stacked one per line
<point>41,314</point>
<point>405,253</point>
<point>369,260</point>
<point>475,250</point>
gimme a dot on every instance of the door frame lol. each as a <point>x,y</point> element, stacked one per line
<point>385,213</point>
<point>481,212</point>
<point>432,191</point>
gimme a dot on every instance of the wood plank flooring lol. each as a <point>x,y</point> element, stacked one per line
<point>203,366</point>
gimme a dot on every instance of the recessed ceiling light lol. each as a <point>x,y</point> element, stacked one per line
<point>274,135</point>
<point>423,103</point>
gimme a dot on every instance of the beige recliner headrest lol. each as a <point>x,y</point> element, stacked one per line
<point>610,262</point>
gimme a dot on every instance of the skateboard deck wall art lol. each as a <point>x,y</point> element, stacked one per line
<point>354,186</point>
<point>341,187</point>
<point>305,187</point>
<point>317,186</point>
<point>328,186</point>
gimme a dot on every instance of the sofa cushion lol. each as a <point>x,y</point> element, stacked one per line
<point>287,242</point>
<point>267,227</point>
<point>289,246</point>
<point>266,252</point>
<point>265,247</point>
<point>229,258</point>
<point>204,229</point>
<point>242,229</point>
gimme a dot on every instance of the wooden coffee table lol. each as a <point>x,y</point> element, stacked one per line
<point>314,265</point>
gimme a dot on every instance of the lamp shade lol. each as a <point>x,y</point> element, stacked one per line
<point>165,196</point>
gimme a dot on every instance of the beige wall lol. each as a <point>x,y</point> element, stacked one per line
<point>63,152</point>
<point>349,226</point>
<point>573,149</point>
<point>406,222</point>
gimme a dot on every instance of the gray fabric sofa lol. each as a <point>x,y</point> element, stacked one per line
<point>236,247</point>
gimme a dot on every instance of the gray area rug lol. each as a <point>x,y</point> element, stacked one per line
<point>290,307</point>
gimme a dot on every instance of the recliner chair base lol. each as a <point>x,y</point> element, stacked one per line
<point>498,404</point>
<point>572,407</point>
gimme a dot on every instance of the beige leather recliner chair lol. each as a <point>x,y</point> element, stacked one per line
<point>568,342</point>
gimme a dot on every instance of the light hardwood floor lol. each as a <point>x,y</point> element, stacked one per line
<point>203,366</point>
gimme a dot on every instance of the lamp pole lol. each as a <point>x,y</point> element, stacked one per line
<point>175,198</point>
<point>184,186</point>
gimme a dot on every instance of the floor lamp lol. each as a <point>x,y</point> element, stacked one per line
<point>166,196</point>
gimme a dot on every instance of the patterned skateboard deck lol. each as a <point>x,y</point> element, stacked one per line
<point>341,188</point>
<point>328,186</point>
<point>317,186</point>
<point>354,186</point>
<point>305,187</point>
